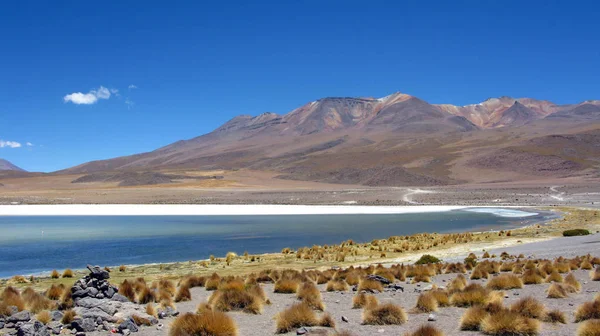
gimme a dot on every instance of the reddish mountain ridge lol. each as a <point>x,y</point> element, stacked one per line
<point>395,140</point>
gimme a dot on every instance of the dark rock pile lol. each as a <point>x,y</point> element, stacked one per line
<point>95,285</point>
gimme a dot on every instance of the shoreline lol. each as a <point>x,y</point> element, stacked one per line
<point>227,209</point>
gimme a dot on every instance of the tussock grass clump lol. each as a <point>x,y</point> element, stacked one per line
<point>183,294</point>
<point>575,232</point>
<point>68,273</point>
<point>595,274</point>
<point>150,310</point>
<point>471,319</point>
<point>66,301</point>
<point>478,273</point>
<point>427,259</point>
<point>384,314</point>
<point>426,303</point>
<point>442,297</point>
<point>369,285</point>
<point>127,289</point>
<point>122,268</point>
<point>296,316</point>
<point>529,307</point>
<point>505,281</point>
<point>212,283</point>
<point>554,276</point>
<point>455,268</point>
<point>532,277</point>
<point>4,309</point>
<point>310,294</point>
<point>140,321</point>
<point>256,290</point>
<point>337,285</point>
<point>55,292</point>
<point>509,323</point>
<point>588,311</point>
<point>54,274</point>
<point>555,316</point>
<point>362,300</point>
<point>458,284</point>
<point>421,278</point>
<point>426,330</point>
<point>68,317</point>
<point>146,295</point>
<point>353,278</point>
<point>326,321</point>
<point>233,299</point>
<point>193,281</point>
<point>208,323</point>
<point>44,317</point>
<point>573,286</point>
<point>589,328</point>
<point>557,291</point>
<point>473,294</point>
<point>286,286</point>
<point>586,265</point>
<point>167,286</point>
<point>36,302</point>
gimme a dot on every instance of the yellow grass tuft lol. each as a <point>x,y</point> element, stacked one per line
<point>384,314</point>
<point>183,294</point>
<point>310,294</point>
<point>589,328</point>
<point>140,321</point>
<point>208,323</point>
<point>557,291</point>
<point>472,295</point>
<point>54,274</point>
<point>337,285</point>
<point>426,303</point>
<point>68,317</point>
<point>532,277</point>
<point>471,319</point>
<point>509,323</point>
<point>529,307</point>
<point>573,286</point>
<point>588,311</point>
<point>55,292</point>
<point>326,321</point>
<point>286,286</point>
<point>555,316</point>
<point>36,302</point>
<point>362,300</point>
<point>595,274</point>
<point>234,300</point>
<point>146,295</point>
<point>68,273</point>
<point>554,276</point>
<point>426,330</point>
<point>505,281</point>
<point>44,317</point>
<point>122,268</point>
<point>458,284</point>
<point>369,286</point>
<point>441,297</point>
<point>127,289</point>
<point>296,316</point>
<point>212,283</point>
<point>150,310</point>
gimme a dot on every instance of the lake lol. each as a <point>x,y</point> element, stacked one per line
<point>36,244</point>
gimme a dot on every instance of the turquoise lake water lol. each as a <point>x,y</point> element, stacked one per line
<point>35,244</point>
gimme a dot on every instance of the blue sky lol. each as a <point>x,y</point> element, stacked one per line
<point>196,64</point>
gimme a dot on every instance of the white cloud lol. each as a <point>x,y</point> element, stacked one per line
<point>88,98</point>
<point>129,103</point>
<point>29,144</point>
<point>131,87</point>
<point>10,144</point>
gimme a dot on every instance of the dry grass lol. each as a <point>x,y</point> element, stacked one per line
<point>168,286</point>
<point>212,283</point>
<point>426,330</point>
<point>146,295</point>
<point>557,291</point>
<point>141,321</point>
<point>296,316</point>
<point>66,301</point>
<point>458,284</point>
<point>506,322</point>
<point>150,310</point>
<point>55,292</point>
<point>369,286</point>
<point>68,316</point>
<point>505,281</point>
<point>555,316</point>
<point>588,311</point>
<point>529,307</point>
<point>122,268</point>
<point>68,273</point>
<point>54,274</point>
<point>326,321</point>
<point>442,297</point>
<point>286,286</point>
<point>337,285</point>
<point>554,276</point>
<point>36,302</point>
<point>384,314</point>
<point>532,277</point>
<point>208,323</point>
<point>362,300</point>
<point>183,294</point>
<point>310,294</point>
<point>426,303</point>
<point>235,300</point>
<point>44,317</point>
<point>573,286</point>
<point>595,274</point>
<point>589,328</point>
<point>473,294</point>
<point>127,289</point>
<point>471,319</point>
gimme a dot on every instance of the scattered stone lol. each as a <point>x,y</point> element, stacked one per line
<point>19,317</point>
<point>126,332</point>
<point>56,315</point>
<point>85,325</point>
<point>301,331</point>
<point>431,318</point>
<point>159,326</point>
<point>128,324</point>
<point>379,278</point>
<point>344,318</point>
<point>36,328</point>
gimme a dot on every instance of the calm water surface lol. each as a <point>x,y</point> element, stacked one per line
<point>30,245</point>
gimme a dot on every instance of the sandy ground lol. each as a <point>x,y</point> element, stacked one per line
<point>339,304</point>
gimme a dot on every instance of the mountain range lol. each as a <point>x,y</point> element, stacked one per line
<point>391,141</point>
<point>7,166</point>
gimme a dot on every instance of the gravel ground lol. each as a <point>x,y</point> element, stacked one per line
<point>339,304</point>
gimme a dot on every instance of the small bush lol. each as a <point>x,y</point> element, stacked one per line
<point>337,285</point>
<point>384,314</point>
<point>529,307</point>
<point>426,303</point>
<point>362,300</point>
<point>55,274</point>
<point>310,294</point>
<point>556,291</point>
<point>554,276</point>
<point>509,323</point>
<point>426,330</point>
<point>442,297</point>
<point>233,299</point>
<point>212,283</point>
<point>427,259</point>
<point>208,323</point>
<point>183,294</point>
<point>576,232</point>
<point>472,295</point>
<point>369,285</point>
<point>589,328</point>
<point>141,321</point>
<point>146,295</point>
<point>296,316</point>
<point>555,316</point>
<point>588,311</point>
<point>286,286</point>
<point>54,292</point>
<point>44,317</point>
<point>471,319</point>
<point>68,273</point>
<point>505,281</point>
<point>532,277</point>
<point>127,290</point>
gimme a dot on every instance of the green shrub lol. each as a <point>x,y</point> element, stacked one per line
<point>576,232</point>
<point>427,259</point>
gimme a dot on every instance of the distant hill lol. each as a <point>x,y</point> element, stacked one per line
<point>6,165</point>
<point>395,140</point>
